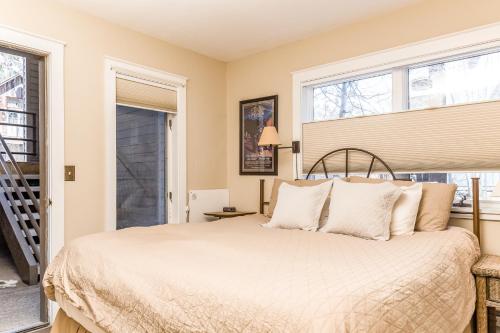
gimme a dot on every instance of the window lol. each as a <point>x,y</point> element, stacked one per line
<point>488,181</point>
<point>468,79</point>
<point>456,70</point>
<point>13,103</point>
<point>354,98</point>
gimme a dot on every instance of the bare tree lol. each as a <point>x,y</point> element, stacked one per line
<point>350,99</point>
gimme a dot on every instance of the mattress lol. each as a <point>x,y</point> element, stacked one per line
<point>235,276</point>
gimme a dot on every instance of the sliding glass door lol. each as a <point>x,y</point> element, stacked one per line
<point>141,143</point>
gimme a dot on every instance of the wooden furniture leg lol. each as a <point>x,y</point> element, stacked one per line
<point>481,309</point>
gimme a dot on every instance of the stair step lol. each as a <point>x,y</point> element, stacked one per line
<point>28,176</point>
<point>37,246</point>
<point>31,231</point>
<point>18,202</point>
<point>23,189</point>
<point>26,218</point>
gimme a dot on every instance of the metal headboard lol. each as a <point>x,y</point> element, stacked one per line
<point>346,153</point>
<point>321,161</point>
<point>374,158</point>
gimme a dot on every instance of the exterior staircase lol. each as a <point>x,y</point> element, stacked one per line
<point>20,215</point>
<point>21,99</point>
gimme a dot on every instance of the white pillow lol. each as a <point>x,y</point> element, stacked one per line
<point>362,210</point>
<point>405,210</point>
<point>299,207</point>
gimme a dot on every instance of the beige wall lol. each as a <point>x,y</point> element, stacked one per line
<point>490,234</point>
<point>269,73</point>
<point>89,40</point>
<point>214,90</point>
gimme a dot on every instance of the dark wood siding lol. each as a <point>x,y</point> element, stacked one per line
<point>32,103</point>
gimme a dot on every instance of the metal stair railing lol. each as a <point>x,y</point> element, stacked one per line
<point>11,175</point>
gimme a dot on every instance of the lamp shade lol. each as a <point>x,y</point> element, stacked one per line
<point>269,137</point>
<point>496,191</point>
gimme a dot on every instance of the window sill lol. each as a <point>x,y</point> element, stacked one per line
<point>486,213</point>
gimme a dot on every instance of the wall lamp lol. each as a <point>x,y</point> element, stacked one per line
<point>270,137</point>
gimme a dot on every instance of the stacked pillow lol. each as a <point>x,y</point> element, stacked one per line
<point>362,207</point>
<point>301,183</point>
<point>434,209</point>
<point>299,207</point>
<point>362,210</point>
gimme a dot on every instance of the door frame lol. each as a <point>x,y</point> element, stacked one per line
<point>53,52</point>
<point>178,181</point>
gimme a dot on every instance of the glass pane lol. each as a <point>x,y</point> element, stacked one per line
<point>13,97</point>
<point>487,182</point>
<point>363,97</point>
<point>473,79</point>
<point>12,78</point>
<point>140,167</point>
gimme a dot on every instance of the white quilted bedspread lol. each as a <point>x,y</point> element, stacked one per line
<point>235,276</point>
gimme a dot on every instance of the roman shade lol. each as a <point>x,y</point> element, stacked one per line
<point>145,94</point>
<point>455,138</point>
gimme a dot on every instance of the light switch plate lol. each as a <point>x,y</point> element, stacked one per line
<point>69,173</point>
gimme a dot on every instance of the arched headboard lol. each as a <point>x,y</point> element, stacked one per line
<point>345,151</point>
<point>375,158</point>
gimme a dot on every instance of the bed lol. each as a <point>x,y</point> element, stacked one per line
<point>234,275</point>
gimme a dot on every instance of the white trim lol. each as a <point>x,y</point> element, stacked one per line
<point>400,90</point>
<point>112,69</point>
<point>54,56</point>
<point>473,40</point>
<point>468,216</point>
<point>488,211</point>
<point>435,48</point>
<point>180,151</point>
<point>40,44</point>
<point>128,68</point>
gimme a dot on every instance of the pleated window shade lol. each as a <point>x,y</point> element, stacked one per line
<point>455,138</point>
<point>145,96</point>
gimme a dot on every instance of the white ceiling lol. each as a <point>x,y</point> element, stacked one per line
<point>231,29</point>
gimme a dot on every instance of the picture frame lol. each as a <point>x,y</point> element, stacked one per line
<point>255,114</point>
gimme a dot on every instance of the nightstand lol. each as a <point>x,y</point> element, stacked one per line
<point>224,215</point>
<point>487,272</point>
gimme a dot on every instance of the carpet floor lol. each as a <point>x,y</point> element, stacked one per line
<point>20,305</point>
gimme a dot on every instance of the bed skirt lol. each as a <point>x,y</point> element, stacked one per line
<point>65,324</point>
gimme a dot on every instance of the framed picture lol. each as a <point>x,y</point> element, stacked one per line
<point>255,114</point>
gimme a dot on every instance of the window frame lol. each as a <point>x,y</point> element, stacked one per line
<point>458,57</point>
<point>349,79</point>
<point>400,84</point>
<point>397,60</point>
<point>178,183</point>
